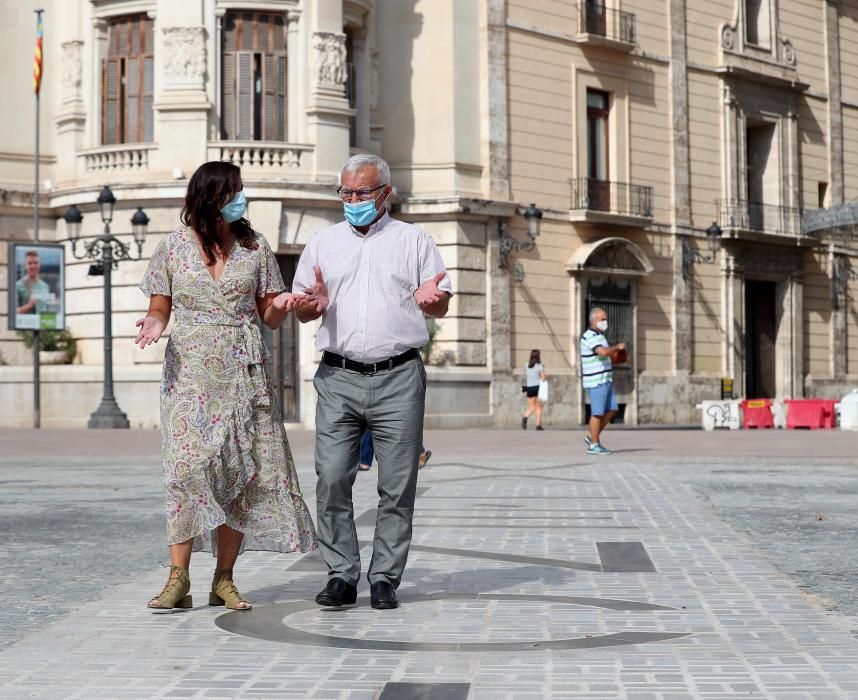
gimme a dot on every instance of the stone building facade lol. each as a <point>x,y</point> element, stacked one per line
<point>632,125</point>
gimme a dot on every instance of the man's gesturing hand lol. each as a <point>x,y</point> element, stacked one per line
<point>428,293</point>
<point>317,295</point>
<point>151,329</point>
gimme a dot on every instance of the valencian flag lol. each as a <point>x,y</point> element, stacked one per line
<point>37,57</point>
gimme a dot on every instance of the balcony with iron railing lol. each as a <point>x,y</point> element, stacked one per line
<point>605,26</point>
<point>609,202</point>
<point>739,218</point>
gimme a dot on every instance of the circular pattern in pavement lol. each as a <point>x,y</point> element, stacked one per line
<point>269,623</point>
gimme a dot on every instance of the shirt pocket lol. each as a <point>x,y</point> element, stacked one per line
<point>395,283</point>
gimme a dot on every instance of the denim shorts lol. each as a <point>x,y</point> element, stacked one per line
<point>602,399</point>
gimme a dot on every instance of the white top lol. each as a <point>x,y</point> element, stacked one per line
<point>371,281</point>
<point>532,374</point>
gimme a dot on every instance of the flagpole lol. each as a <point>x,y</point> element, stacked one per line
<point>37,339</point>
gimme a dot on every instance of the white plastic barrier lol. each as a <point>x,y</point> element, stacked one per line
<point>779,415</point>
<point>721,414</point>
<point>848,408</point>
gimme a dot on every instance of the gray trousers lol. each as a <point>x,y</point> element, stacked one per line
<point>390,403</point>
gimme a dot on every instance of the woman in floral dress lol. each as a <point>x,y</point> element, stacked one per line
<point>229,476</point>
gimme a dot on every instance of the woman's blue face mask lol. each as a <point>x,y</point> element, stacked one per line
<point>235,209</point>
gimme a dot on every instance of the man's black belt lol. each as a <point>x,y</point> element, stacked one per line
<point>334,360</point>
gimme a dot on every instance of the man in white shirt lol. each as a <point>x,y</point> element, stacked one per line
<point>373,280</point>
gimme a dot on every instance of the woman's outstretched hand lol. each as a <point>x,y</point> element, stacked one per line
<point>287,301</point>
<point>151,329</point>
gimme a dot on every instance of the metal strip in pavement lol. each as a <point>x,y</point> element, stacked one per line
<point>425,691</point>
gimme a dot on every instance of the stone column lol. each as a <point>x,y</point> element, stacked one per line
<point>181,101</point>
<point>835,104</point>
<point>361,87</point>
<point>839,308</point>
<point>295,67</point>
<point>793,311</point>
<point>733,319</point>
<point>328,109</point>
<point>498,329</point>
<point>70,118</point>
<point>495,94</point>
<point>682,310</point>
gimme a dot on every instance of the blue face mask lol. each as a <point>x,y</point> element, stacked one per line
<point>235,209</point>
<point>361,213</point>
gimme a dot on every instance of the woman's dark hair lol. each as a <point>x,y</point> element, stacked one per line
<point>211,188</point>
<point>534,358</point>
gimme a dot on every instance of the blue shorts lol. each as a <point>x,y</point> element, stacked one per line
<point>602,399</point>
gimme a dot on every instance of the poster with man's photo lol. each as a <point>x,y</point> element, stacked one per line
<point>36,286</point>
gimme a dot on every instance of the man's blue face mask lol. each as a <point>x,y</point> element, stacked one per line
<point>235,209</point>
<point>361,213</point>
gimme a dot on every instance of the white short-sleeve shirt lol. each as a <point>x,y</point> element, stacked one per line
<point>371,280</point>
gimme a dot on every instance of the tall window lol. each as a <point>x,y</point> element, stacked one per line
<point>254,76</point>
<point>599,193</point>
<point>127,81</point>
<point>758,22</point>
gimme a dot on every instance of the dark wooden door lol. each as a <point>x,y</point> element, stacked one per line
<point>760,339</point>
<point>615,297</point>
<point>283,344</point>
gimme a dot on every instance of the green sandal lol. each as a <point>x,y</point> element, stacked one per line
<point>175,593</point>
<point>225,593</point>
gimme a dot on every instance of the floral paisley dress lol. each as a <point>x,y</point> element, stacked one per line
<point>226,458</point>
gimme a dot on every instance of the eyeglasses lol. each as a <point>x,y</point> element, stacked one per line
<point>363,194</point>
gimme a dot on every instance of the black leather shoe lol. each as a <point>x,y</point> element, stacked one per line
<point>337,593</point>
<point>382,596</point>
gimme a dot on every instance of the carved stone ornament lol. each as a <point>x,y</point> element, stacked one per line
<point>728,37</point>
<point>184,55</point>
<point>788,52</point>
<point>72,65</point>
<point>330,59</point>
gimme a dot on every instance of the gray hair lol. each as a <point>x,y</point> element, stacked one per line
<point>594,312</point>
<point>368,160</point>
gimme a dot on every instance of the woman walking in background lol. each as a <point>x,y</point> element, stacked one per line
<point>229,476</point>
<point>534,373</point>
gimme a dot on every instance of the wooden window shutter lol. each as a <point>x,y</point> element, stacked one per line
<point>127,82</point>
<point>148,98</point>
<point>281,98</point>
<point>244,96</point>
<point>110,94</point>
<point>228,116</point>
<point>133,106</point>
<point>269,92</point>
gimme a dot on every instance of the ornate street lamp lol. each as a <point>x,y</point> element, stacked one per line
<point>691,255</point>
<point>107,251</point>
<point>532,221</point>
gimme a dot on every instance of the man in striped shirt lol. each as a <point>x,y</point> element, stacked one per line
<point>598,378</point>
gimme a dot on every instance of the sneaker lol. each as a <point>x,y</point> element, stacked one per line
<point>587,440</point>
<point>597,449</point>
<point>524,423</point>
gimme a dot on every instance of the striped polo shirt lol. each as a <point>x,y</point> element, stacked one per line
<point>595,370</point>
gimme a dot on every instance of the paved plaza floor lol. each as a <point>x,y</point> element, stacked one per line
<point>685,565</point>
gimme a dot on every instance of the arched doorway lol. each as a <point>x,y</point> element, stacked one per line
<point>604,273</point>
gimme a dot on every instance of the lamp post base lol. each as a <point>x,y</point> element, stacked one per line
<point>108,415</point>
